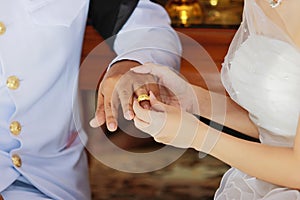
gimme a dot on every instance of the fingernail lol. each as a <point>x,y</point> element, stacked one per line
<point>152,96</point>
<point>140,69</point>
<point>129,115</point>
<point>94,123</point>
<point>134,69</point>
<point>111,126</point>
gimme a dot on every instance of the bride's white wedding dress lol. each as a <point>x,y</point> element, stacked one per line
<point>261,73</point>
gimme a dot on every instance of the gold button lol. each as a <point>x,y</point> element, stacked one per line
<point>2,28</point>
<point>16,160</point>
<point>13,82</point>
<point>15,128</point>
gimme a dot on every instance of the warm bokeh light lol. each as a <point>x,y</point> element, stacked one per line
<point>185,12</point>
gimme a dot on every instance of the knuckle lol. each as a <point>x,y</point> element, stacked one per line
<point>109,118</point>
<point>124,93</point>
<point>100,108</point>
<point>107,106</point>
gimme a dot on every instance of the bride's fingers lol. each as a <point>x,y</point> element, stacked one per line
<point>141,69</point>
<point>157,105</point>
<point>140,124</point>
<point>141,113</point>
<point>148,121</point>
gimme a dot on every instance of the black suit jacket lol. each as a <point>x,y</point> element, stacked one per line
<point>108,16</point>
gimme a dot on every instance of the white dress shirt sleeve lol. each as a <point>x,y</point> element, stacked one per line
<point>148,37</point>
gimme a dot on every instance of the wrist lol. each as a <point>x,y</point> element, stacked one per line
<point>206,138</point>
<point>203,102</point>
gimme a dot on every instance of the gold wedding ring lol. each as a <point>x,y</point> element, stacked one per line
<point>143,97</point>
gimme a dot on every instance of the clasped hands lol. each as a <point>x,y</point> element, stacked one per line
<point>166,117</point>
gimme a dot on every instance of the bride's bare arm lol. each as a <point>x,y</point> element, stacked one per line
<point>278,165</point>
<point>235,116</point>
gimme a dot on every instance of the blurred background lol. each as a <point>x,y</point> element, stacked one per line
<point>195,13</point>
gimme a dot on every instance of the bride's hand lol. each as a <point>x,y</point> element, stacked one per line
<point>185,97</point>
<point>168,124</point>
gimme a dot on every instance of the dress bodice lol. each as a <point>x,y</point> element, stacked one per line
<point>265,80</point>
